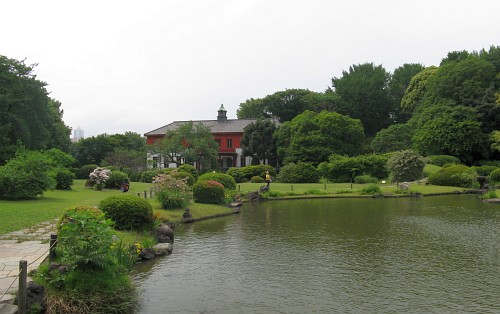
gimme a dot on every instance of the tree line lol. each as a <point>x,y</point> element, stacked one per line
<point>450,109</point>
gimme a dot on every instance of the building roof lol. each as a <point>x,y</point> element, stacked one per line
<point>227,126</point>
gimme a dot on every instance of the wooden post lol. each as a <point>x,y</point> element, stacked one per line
<point>150,192</point>
<point>325,186</point>
<point>292,187</point>
<point>145,194</point>
<point>239,186</point>
<point>23,276</point>
<point>52,243</point>
<point>139,194</point>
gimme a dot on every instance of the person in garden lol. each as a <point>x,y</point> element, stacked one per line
<point>268,178</point>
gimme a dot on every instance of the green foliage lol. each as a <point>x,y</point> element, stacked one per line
<point>495,175</point>
<point>173,189</point>
<point>372,189</point>
<point>147,176</point>
<point>116,179</point>
<point>64,179</point>
<point>417,89</point>
<point>365,179</point>
<point>208,192</point>
<point>29,118</point>
<point>225,179</point>
<point>84,171</point>
<point>441,160</point>
<point>343,169</point>
<point>430,169</point>
<point>484,170</point>
<point>84,240</point>
<point>258,141</point>
<point>312,137</point>
<point>184,176</point>
<point>298,173</point>
<point>406,166</point>
<point>26,176</point>
<point>450,130</point>
<point>363,92</point>
<point>244,174</point>
<point>128,212</point>
<point>257,179</point>
<point>398,84</point>
<point>455,175</point>
<point>490,194</point>
<point>396,137</point>
<point>189,169</point>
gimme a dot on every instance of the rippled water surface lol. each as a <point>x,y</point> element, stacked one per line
<point>425,255</point>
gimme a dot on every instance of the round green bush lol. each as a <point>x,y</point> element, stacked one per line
<point>129,212</point>
<point>456,175</point>
<point>116,179</point>
<point>495,175</point>
<point>148,175</point>
<point>208,192</point>
<point>64,179</point>
<point>298,173</point>
<point>189,169</point>
<point>485,170</point>
<point>226,180</point>
<point>257,179</point>
<point>244,174</point>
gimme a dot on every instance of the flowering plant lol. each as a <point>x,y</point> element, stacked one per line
<point>172,192</point>
<point>100,175</point>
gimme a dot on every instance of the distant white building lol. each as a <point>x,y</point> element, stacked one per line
<point>77,134</point>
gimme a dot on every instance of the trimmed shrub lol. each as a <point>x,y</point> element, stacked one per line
<point>226,180</point>
<point>116,179</point>
<point>441,160</point>
<point>148,175</point>
<point>257,179</point>
<point>365,179</point>
<point>129,212</point>
<point>495,175</point>
<point>484,170</point>
<point>300,172</point>
<point>189,169</point>
<point>85,171</point>
<point>244,174</point>
<point>342,168</point>
<point>456,175</point>
<point>64,179</point>
<point>208,192</point>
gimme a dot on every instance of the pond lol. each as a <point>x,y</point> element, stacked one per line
<point>419,255</point>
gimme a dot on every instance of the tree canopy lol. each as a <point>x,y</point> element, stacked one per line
<point>258,141</point>
<point>28,116</point>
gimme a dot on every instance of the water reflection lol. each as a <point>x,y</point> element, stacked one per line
<point>436,254</point>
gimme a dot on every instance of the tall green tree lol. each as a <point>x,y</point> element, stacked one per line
<point>398,83</point>
<point>312,137</point>
<point>394,138</point>
<point>258,141</point>
<point>28,117</point>
<point>363,92</point>
<point>191,142</point>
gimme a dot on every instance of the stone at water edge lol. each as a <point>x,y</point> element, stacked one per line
<point>162,248</point>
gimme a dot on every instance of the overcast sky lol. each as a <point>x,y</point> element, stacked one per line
<point>120,66</point>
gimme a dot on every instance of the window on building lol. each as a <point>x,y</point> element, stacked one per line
<point>155,162</point>
<point>243,161</point>
<point>229,143</point>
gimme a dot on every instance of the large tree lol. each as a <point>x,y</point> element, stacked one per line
<point>398,83</point>
<point>312,137</point>
<point>363,93</point>
<point>28,117</point>
<point>394,138</point>
<point>258,141</point>
<point>190,143</point>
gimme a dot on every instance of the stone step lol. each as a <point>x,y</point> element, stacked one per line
<point>8,309</point>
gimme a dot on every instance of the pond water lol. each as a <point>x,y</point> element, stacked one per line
<point>418,255</point>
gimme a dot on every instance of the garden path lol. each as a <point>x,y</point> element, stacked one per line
<point>30,244</point>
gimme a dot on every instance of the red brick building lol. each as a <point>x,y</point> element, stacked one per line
<point>227,133</point>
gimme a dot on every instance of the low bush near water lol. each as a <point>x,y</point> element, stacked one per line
<point>226,180</point>
<point>495,175</point>
<point>455,175</point>
<point>298,173</point>
<point>128,212</point>
<point>372,189</point>
<point>208,192</point>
